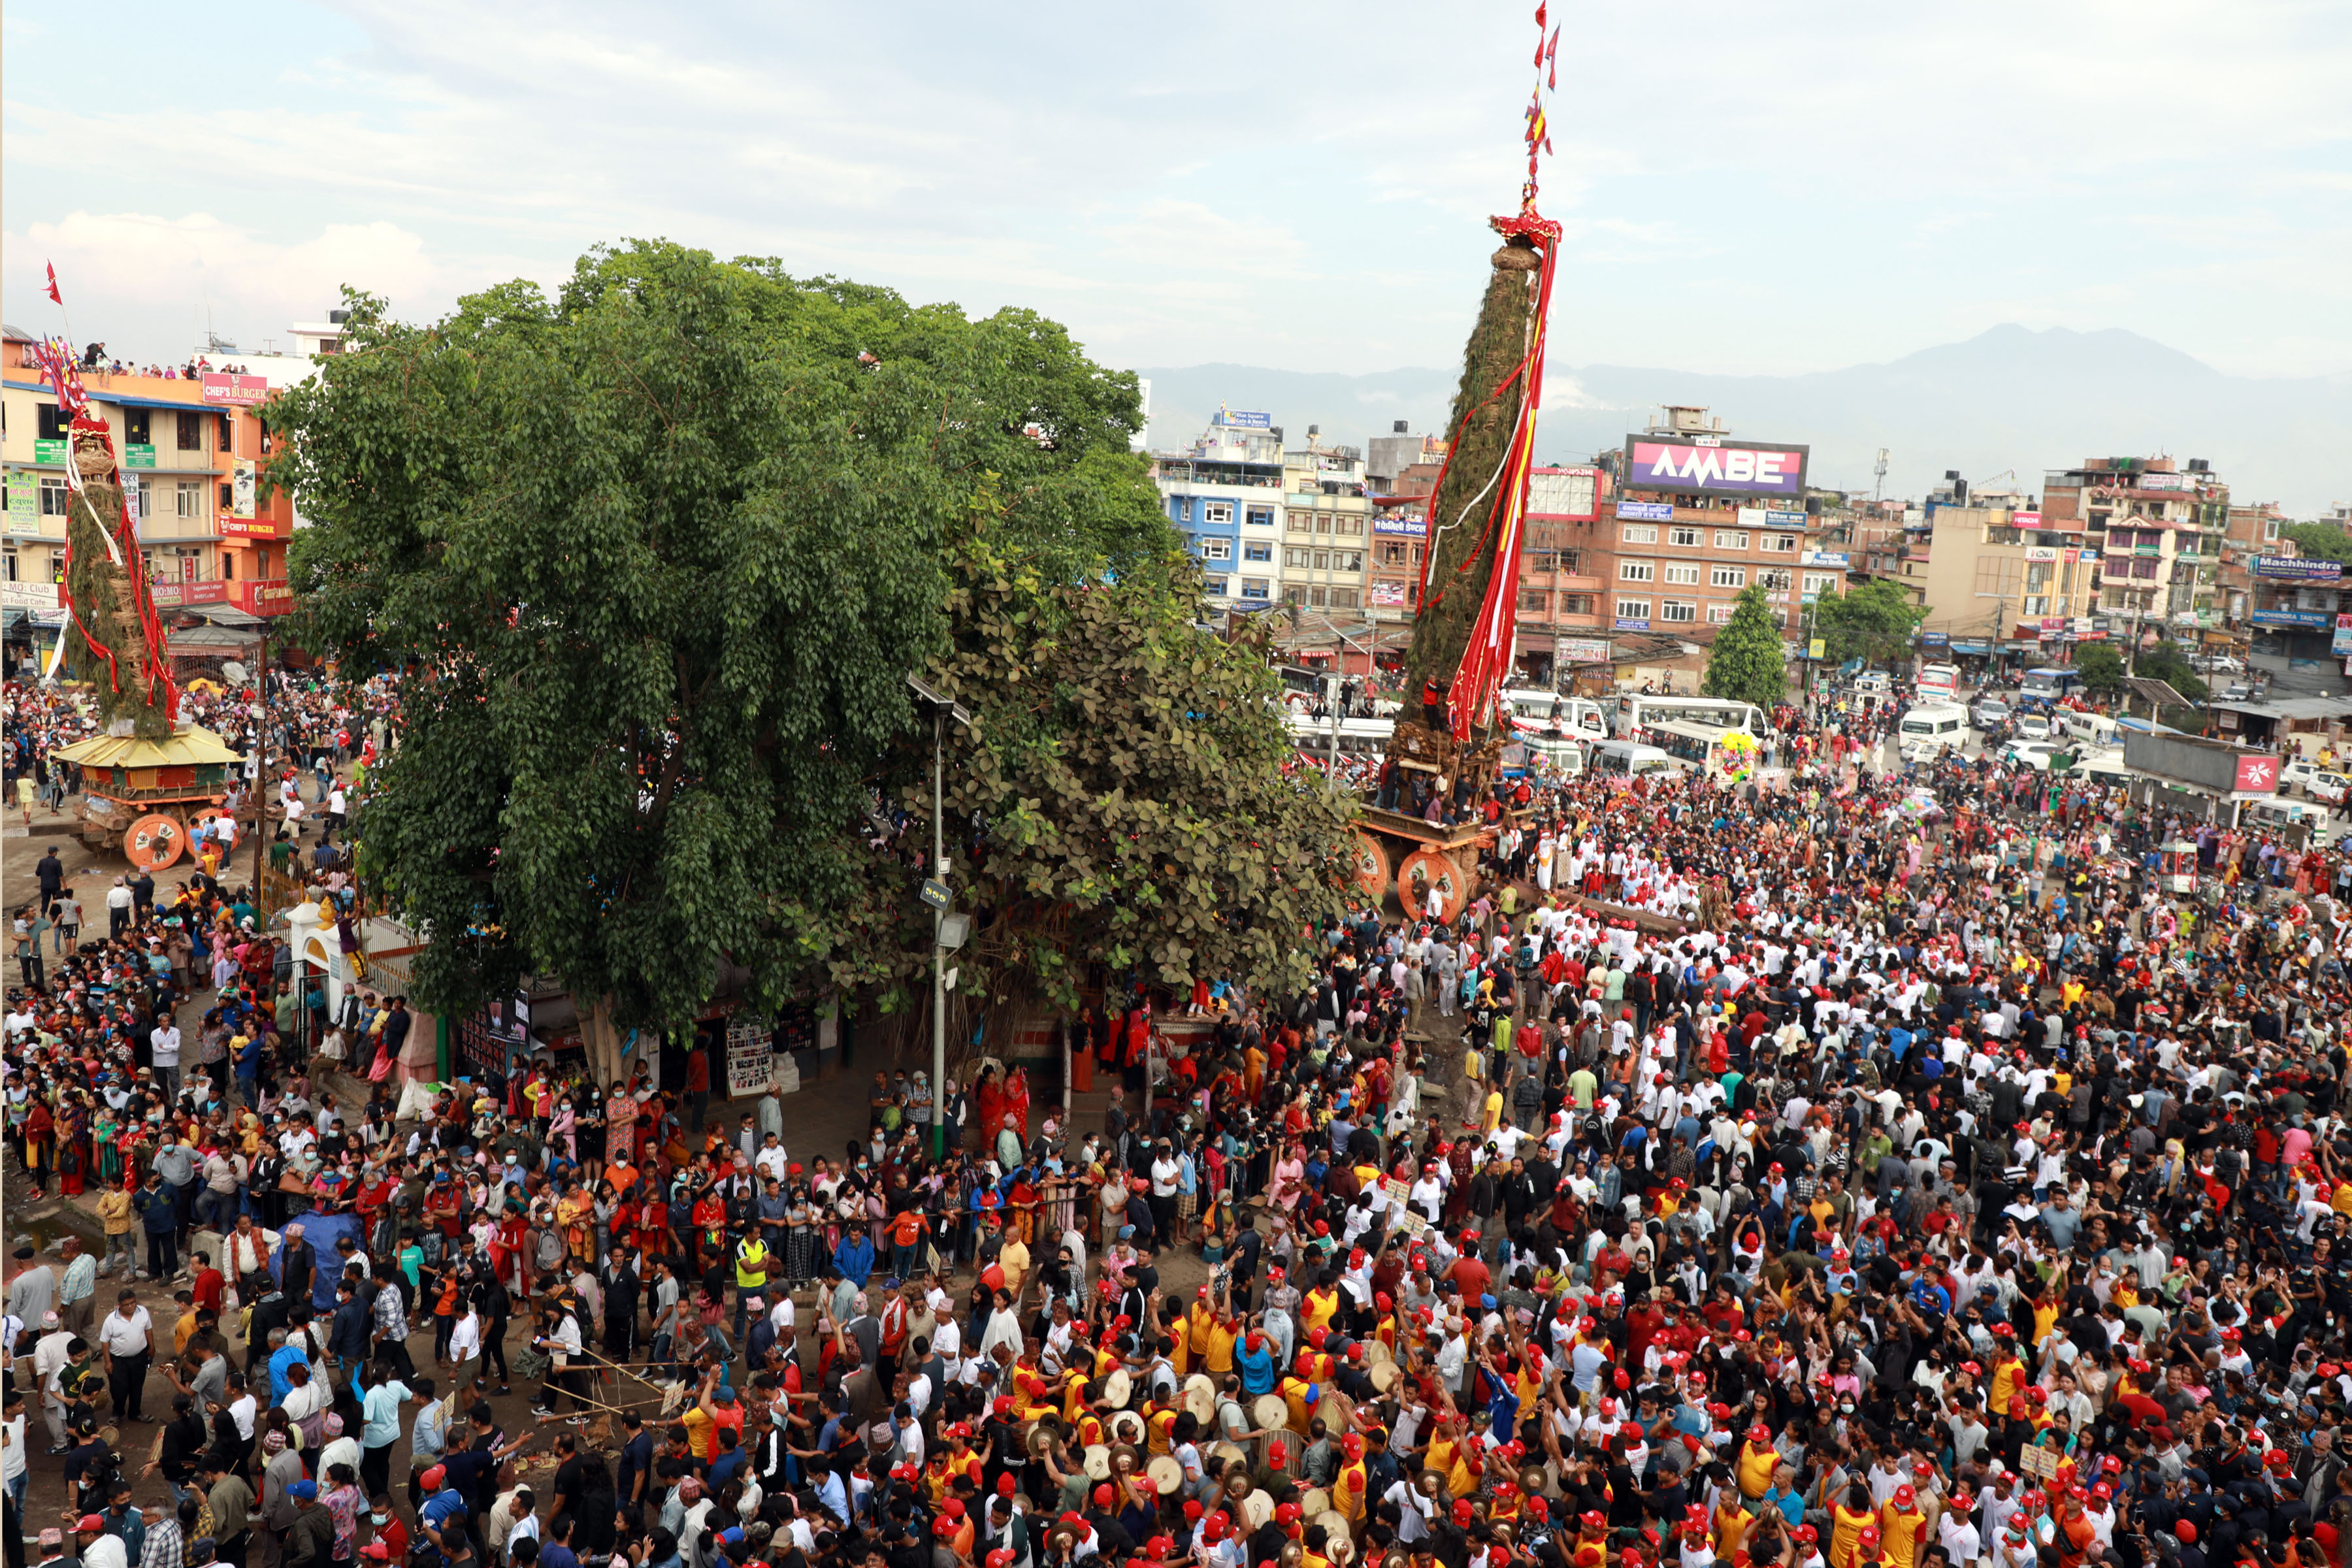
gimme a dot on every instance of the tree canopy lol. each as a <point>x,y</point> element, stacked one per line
<point>2100,665</point>
<point>656,555</point>
<point>2320,541</point>
<point>1873,623</point>
<point>1747,661</point>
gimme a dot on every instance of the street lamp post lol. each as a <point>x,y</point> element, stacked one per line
<point>949,929</point>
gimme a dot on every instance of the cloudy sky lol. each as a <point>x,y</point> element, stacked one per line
<point>1748,188</point>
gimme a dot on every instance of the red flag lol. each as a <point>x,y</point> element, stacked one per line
<point>1539,16</point>
<point>1539,51</point>
<point>1553,48</point>
<point>53,284</point>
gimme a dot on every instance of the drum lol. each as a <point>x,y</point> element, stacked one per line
<point>1167,1473</point>
<point>1118,1388</point>
<point>1385,1375</point>
<point>1098,1464</point>
<point>1314,1503</point>
<point>1127,1426</point>
<point>1270,1413</point>
<point>1258,1509</point>
<point>1201,1399</point>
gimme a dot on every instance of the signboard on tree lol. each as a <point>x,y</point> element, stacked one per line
<point>750,1056</point>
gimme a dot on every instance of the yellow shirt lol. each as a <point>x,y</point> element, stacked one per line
<point>1220,1352</point>
<point>1494,1114</point>
<point>1756,1462</point>
<point>1898,1535</point>
<point>1014,1258</point>
<point>1294,1398</point>
<point>2045,1318</point>
<point>1158,1425</point>
<point>2004,1385</point>
<point>1347,1491</point>
<point>698,1430</point>
<point>1322,1306</point>
<point>1845,1534</point>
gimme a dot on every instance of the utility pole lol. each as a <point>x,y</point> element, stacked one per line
<point>261,767</point>
<point>949,929</point>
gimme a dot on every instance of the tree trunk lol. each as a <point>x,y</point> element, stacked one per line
<point>603,1041</point>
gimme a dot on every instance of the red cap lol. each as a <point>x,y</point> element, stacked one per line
<point>1904,1496</point>
<point>1463,1512</point>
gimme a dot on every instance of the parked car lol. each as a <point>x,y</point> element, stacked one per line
<point>1988,713</point>
<point>2330,788</point>
<point>2295,773</point>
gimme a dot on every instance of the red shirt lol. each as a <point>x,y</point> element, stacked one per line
<point>207,1289</point>
<point>1470,1276</point>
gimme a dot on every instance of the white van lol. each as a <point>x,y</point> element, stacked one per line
<point>1626,759</point>
<point>1931,727</point>
<point>1554,756</point>
<point>2095,728</point>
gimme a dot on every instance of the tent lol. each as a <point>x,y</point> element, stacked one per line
<point>322,1231</point>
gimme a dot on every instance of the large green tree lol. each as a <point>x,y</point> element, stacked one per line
<point>656,555</point>
<point>2320,541</point>
<point>1748,661</point>
<point>1873,623</point>
<point>1125,796</point>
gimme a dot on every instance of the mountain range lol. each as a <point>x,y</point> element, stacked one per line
<point>2011,399</point>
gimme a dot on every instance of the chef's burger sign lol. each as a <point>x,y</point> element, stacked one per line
<point>1713,466</point>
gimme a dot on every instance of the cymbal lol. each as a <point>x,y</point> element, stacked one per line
<point>1339,1548</point>
<point>1167,1473</point>
<point>1430,1483</point>
<point>1334,1523</point>
<point>1097,1464</point>
<point>1041,1438</point>
<point>1376,1353</point>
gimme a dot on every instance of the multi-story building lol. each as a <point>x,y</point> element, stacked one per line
<point>2156,529</point>
<point>1988,574</point>
<point>1698,517</point>
<point>1561,587</point>
<point>2250,534</point>
<point>1225,495</point>
<point>1325,528</point>
<point>1393,455</point>
<point>191,451</point>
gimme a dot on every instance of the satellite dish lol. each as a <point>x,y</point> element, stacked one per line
<point>233,672</point>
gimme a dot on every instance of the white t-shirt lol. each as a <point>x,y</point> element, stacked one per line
<point>126,1336</point>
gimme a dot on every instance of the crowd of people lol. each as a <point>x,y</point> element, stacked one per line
<point>1859,1166</point>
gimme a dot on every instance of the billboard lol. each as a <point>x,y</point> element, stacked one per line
<point>1583,650</point>
<point>2318,620</point>
<point>1645,511</point>
<point>1572,493</point>
<point>2343,643</point>
<point>235,391</point>
<point>2293,568</point>
<point>1385,594</point>
<point>1712,466</point>
<point>2257,775</point>
<point>241,487</point>
<point>1401,527</point>
<point>2160,482</point>
<point>1230,416</point>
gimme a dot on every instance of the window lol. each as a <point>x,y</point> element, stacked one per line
<point>1640,533</point>
<point>1216,588</point>
<point>1731,539</point>
<point>1348,559</point>
<point>1774,581</point>
<point>1343,598</point>
<point>52,424</point>
<point>1780,544</point>
<point>229,565</point>
<point>2270,529</point>
<point>1216,550</point>
<point>1727,577</point>
<point>192,432</point>
<point>135,422</point>
<point>1322,523</point>
<point>1256,588</point>
<point>1539,561</point>
<point>1682,571</point>
<point>1636,572</point>
<point>189,499</point>
<point>55,498</point>
<point>1217,511</point>
<point>226,435</point>
<point>1677,610</point>
<point>1257,550</point>
<point>1322,560</point>
<point>1687,537</point>
<point>1575,604</point>
<point>1720,614</point>
<point>1820,581</point>
<point>1302,522</point>
<point>1351,526</point>
<point>228,496</point>
<point>1633,609</point>
<point>1392,554</point>
<point>1258,517</point>
<point>1298,559</point>
<point>1533,601</point>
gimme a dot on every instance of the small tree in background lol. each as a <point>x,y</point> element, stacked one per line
<point>1747,661</point>
<point>2101,668</point>
<point>1873,623</point>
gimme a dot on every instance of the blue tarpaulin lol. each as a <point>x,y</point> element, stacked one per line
<point>322,1231</point>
